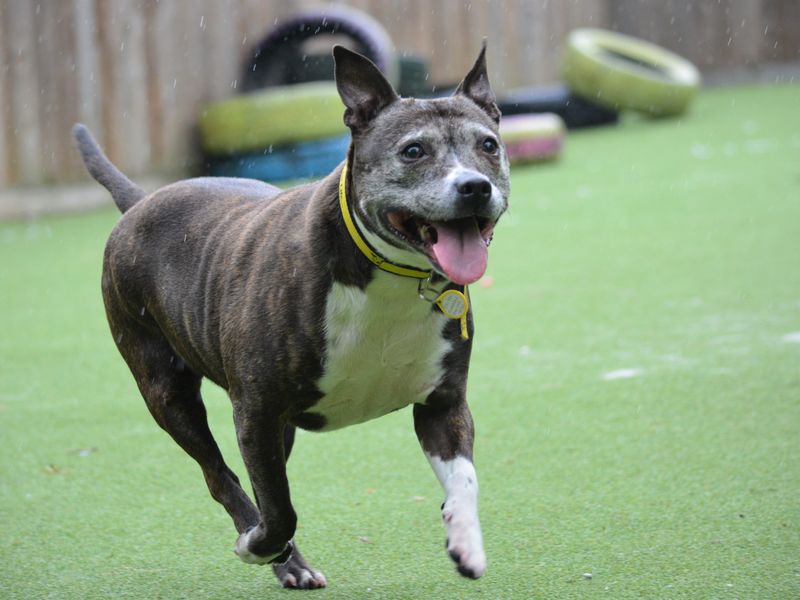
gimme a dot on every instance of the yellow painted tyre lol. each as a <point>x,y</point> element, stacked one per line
<point>275,116</point>
<point>619,71</point>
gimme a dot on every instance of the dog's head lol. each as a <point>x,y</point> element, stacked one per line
<point>429,177</point>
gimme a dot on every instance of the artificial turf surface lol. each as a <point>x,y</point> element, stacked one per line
<point>635,384</point>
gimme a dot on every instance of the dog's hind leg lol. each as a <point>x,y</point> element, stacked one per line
<point>172,393</point>
<point>296,572</point>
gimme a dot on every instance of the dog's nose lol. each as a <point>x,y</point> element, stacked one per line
<point>473,190</point>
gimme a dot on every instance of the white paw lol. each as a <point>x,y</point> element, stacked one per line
<point>242,551</point>
<point>464,539</point>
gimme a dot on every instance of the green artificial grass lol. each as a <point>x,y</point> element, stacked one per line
<point>635,385</point>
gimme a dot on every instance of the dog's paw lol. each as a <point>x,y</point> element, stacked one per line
<point>242,550</point>
<point>297,574</point>
<point>464,540</point>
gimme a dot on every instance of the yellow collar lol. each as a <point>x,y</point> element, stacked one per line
<point>378,260</point>
<point>452,303</point>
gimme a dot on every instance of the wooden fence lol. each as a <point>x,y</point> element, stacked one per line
<point>138,72</point>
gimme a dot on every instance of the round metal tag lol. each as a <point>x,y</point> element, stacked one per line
<point>453,304</point>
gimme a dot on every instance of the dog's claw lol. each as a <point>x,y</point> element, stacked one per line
<point>296,573</point>
<point>467,572</point>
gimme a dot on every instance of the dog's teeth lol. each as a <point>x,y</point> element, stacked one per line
<point>425,232</point>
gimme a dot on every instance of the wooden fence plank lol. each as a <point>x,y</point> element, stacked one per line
<point>125,117</point>
<point>5,104</point>
<point>59,98</point>
<point>780,30</point>
<point>744,33</point>
<point>87,76</point>
<point>25,125</point>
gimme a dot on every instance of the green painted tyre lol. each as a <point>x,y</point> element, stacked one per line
<point>619,71</point>
<point>280,115</point>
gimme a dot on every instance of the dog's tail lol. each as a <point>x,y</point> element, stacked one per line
<point>124,192</point>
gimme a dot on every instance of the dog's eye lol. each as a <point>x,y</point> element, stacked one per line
<point>489,146</point>
<point>413,151</point>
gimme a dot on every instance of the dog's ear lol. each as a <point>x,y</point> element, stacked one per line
<point>476,87</point>
<point>362,87</point>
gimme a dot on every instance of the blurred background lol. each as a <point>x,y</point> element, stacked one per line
<point>139,72</point>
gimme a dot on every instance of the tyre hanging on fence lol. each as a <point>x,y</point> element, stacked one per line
<point>283,58</point>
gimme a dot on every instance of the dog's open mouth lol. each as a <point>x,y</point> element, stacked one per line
<point>457,247</point>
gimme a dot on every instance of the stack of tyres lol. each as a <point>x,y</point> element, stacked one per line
<point>606,72</point>
<point>277,134</point>
<point>288,123</point>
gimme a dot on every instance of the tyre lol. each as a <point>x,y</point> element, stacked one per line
<point>281,59</point>
<point>276,116</point>
<point>619,71</point>
<point>282,163</point>
<point>576,112</point>
<point>532,138</point>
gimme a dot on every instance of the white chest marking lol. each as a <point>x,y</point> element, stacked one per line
<point>384,350</point>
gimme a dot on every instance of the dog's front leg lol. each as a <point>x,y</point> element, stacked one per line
<point>261,440</point>
<point>446,433</point>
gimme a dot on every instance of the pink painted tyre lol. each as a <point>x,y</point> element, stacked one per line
<point>532,137</point>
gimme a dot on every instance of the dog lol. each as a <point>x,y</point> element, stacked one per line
<point>317,307</point>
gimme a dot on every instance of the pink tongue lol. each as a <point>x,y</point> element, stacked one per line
<point>460,250</point>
